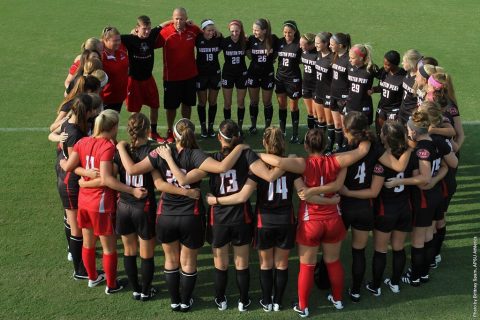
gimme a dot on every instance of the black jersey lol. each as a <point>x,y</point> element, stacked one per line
<point>137,181</point>
<point>339,87</point>
<point>141,54</point>
<point>288,61</point>
<point>67,106</point>
<point>262,60</point>
<point>309,60</point>
<point>360,80</point>
<point>228,183</point>
<point>409,100</point>
<point>207,55</point>
<point>323,67</point>
<point>234,56</point>
<point>176,205</point>
<point>391,86</point>
<point>274,201</point>
<point>74,134</point>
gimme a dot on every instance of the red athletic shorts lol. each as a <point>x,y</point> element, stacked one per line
<point>103,224</point>
<point>142,92</point>
<point>314,232</point>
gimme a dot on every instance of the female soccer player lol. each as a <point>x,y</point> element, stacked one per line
<point>309,60</point>
<point>261,49</point>
<point>410,61</point>
<point>288,80</point>
<point>96,206</point>
<point>340,44</point>
<point>424,71</point>
<point>209,44</point>
<point>321,116</point>
<point>91,48</point>
<point>234,72</point>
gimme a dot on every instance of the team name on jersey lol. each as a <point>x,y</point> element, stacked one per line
<point>234,53</point>
<point>259,51</point>
<point>308,61</point>
<point>388,86</point>
<point>321,69</point>
<point>142,57</point>
<point>407,88</point>
<point>287,54</point>
<point>339,68</point>
<point>209,50</point>
<point>357,79</point>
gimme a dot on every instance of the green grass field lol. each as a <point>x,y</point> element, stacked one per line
<point>39,41</point>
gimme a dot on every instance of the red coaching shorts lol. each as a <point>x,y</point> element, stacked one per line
<point>314,232</point>
<point>101,223</point>
<point>142,92</point>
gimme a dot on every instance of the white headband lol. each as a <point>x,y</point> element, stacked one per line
<point>206,24</point>
<point>178,136</point>
<point>104,81</point>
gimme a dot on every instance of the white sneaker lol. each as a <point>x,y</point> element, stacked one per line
<point>222,306</point>
<point>266,307</point>
<point>94,283</point>
<point>186,307</point>
<point>302,313</point>
<point>242,307</point>
<point>277,307</point>
<point>395,288</point>
<point>337,304</point>
<point>438,258</point>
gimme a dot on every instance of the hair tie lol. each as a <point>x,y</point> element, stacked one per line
<point>434,83</point>
<point>206,24</point>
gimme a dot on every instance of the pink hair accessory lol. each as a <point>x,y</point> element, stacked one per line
<point>434,83</point>
<point>358,52</point>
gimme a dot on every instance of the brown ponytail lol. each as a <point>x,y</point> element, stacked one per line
<point>274,141</point>
<point>185,132</point>
<point>230,132</point>
<point>357,125</point>
<point>137,128</point>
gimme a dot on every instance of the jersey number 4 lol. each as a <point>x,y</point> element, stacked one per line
<point>281,188</point>
<point>361,173</point>
<point>229,182</point>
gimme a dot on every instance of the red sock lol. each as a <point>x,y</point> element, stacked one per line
<point>305,284</point>
<point>110,266</point>
<point>88,257</point>
<point>336,276</point>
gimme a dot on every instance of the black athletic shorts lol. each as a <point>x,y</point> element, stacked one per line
<point>282,237</point>
<point>68,188</point>
<point>188,230</point>
<point>209,82</point>
<point>390,216</point>
<point>238,235</point>
<point>387,114</point>
<point>135,218</point>
<point>366,109</point>
<point>177,92</point>
<point>239,82</point>
<point>424,208</point>
<point>291,88</point>
<point>113,106</point>
<point>358,214</point>
<point>308,91</point>
<point>325,101</point>
<point>266,82</point>
<point>337,104</point>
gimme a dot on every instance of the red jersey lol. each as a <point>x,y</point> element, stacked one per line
<point>178,52</point>
<point>319,171</point>
<point>74,67</point>
<point>116,67</point>
<point>91,152</point>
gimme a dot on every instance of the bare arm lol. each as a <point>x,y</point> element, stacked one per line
<point>260,170</point>
<point>346,159</point>
<point>398,165</point>
<point>164,186</point>
<point>451,159</point>
<point>460,134</point>
<point>442,172</point>
<point>369,193</point>
<point>131,167</point>
<point>108,180</point>
<point>447,130</point>
<point>61,118</point>
<point>236,198</point>
<point>300,186</point>
<point>295,165</point>
<point>94,183</point>
<point>331,187</point>
<point>420,179</point>
<point>214,166</point>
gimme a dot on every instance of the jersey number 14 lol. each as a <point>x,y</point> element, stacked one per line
<point>280,188</point>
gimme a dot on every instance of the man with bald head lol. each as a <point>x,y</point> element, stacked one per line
<point>179,67</point>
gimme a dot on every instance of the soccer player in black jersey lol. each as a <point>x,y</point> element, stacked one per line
<point>309,59</point>
<point>288,80</point>
<point>410,61</point>
<point>424,71</point>
<point>261,49</point>
<point>390,89</point>
<point>234,72</point>
<point>321,115</point>
<point>209,45</point>
<point>340,44</point>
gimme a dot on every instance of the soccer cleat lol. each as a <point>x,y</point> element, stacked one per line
<point>277,307</point>
<point>169,138</point>
<point>395,288</point>
<point>433,265</point>
<point>302,313</point>
<point>136,295</point>
<point>375,291</point>
<point>252,130</point>
<point>185,307</point>
<point>407,278</point>
<point>221,305</point>
<point>337,304</point>
<point>94,283</point>
<point>120,285</point>
<point>145,297</point>
<point>355,297</point>
<point>242,307</point>
<point>438,258</point>
<point>175,306</point>
<point>80,276</point>
<point>266,307</point>
<point>425,278</point>
<point>156,137</point>
<point>210,132</point>
<point>294,140</point>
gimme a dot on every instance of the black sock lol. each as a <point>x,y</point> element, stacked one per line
<point>280,284</point>
<point>172,278</point>
<point>243,283</point>
<point>339,137</point>
<point>378,267</point>
<point>254,114</point>
<point>187,283</point>
<point>76,244</point>
<point>240,117</point>
<point>220,283</point>
<point>212,113</point>
<point>130,265</point>
<point>429,252</point>
<point>282,115</point>
<point>310,121</point>
<point>330,135</point>
<point>417,262</point>
<point>266,283</point>
<point>268,113</point>
<point>321,275</point>
<point>202,116</point>
<point>440,237</point>
<point>358,269</point>
<point>68,231</point>
<point>398,264</point>
<point>295,120</point>
<point>322,126</point>
<point>148,268</point>
<point>227,113</point>
<point>153,128</point>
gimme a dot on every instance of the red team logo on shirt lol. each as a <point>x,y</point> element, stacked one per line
<point>154,154</point>
<point>378,169</point>
<point>423,154</point>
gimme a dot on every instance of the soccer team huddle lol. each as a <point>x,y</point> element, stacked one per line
<point>393,181</point>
